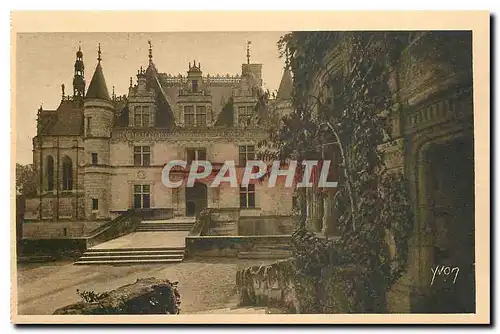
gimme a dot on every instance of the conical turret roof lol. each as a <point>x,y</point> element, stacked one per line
<point>286,85</point>
<point>97,88</point>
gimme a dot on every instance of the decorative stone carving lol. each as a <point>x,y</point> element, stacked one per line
<point>393,153</point>
<point>443,110</point>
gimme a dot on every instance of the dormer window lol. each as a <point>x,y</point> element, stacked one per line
<point>201,115</point>
<point>245,115</point>
<point>141,116</point>
<point>194,84</point>
<point>195,116</point>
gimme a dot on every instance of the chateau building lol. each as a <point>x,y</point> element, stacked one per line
<point>98,155</point>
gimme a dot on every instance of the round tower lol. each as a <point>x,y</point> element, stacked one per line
<point>98,121</point>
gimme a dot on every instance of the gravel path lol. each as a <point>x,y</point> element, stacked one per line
<point>204,284</point>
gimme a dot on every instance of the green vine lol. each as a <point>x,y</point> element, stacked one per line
<point>349,105</point>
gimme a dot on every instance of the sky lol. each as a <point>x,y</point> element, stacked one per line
<point>45,60</point>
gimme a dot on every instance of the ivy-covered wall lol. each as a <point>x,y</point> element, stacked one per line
<point>280,285</point>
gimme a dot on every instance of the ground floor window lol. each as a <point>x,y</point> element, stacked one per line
<point>247,197</point>
<point>142,196</point>
<point>194,154</point>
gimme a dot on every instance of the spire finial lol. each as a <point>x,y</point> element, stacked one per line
<point>79,45</point>
<point>113,94</point>
<point>130,82</point>
<point>99,53</point>
<point>248,51</point>
<point>62,89</point>
<point>150,52</point>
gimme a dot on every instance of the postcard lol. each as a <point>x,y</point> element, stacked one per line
<point>250,167</point>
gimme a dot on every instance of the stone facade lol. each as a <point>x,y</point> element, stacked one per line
<point>99,155</point>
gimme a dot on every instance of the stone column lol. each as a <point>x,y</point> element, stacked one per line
<point>310,209</point>
<point>423,229</point>
<point>319,211</point>
<point>330,215</point>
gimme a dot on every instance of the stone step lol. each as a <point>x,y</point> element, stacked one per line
<point>139,253</point>
<point>166,225</point>
<point>169,227</point>
<point>178,220</point>
<point>128,250</point>
<point>131,257</point>
<point>163,222</point>
<point>166,229</point>
<point>123,262</point>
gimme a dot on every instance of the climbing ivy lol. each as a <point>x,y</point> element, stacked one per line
<point>349,104</point>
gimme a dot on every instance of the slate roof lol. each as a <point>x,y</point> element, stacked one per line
<point>67,120</point>
<point>97,88</point>
<point>225,117</point>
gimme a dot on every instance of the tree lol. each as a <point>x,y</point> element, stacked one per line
<point>26,180</point>
<point>350,109</point>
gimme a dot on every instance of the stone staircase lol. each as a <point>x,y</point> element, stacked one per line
<point>132,256</point>
<point>153,241</point>
<point>172,224</point>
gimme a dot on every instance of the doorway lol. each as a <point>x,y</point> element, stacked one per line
<point>196,199</point>
<point>450,190</point>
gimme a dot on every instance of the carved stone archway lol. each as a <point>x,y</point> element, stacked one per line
<point>422,169</point>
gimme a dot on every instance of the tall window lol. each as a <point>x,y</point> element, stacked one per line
<point>50,173</point>
<point>201,115</point>
<point>88,125</point>
<point>189,116</point>
<point>142,155</point>
<point>141,116</point>
<point>195,117</point>
<point>142,196</point>
<point>246,152</point>
<point>196,154</point>
<point>245,115</point>
<point>67,180</point>
<point>94,159</point>
<point>95,204</point>
<point>195,86</point>
<point>247,197</point>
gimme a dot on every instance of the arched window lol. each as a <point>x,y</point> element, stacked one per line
<point>50,173</point>
<point>67,179</point>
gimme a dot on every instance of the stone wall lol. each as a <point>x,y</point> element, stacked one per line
<point>43,230</point>
<point>248,222</point>
<point>266,225</point>
<point>69,203</point>
<point>231,246</point>
<point>54,247</point>
<point>279,285</point>
<point>124,224</point>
